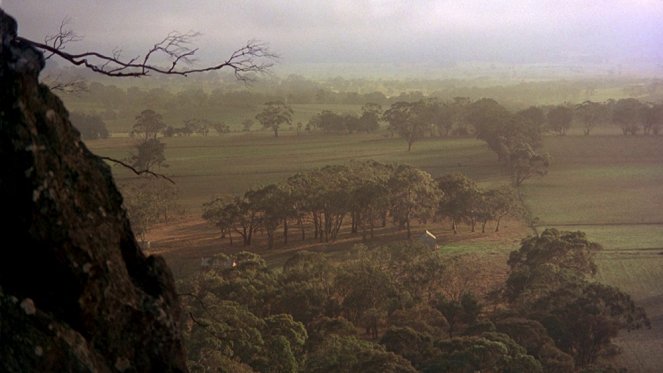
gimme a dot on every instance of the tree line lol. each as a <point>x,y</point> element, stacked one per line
<point>363,196</point>
<point>406,309</point>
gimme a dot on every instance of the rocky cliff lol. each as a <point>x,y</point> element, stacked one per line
<point>76,292</point>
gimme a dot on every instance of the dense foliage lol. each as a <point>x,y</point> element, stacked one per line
<point>369,194</point>
<point>387,309</point>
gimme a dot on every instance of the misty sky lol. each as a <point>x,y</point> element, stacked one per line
<point>369,31</point>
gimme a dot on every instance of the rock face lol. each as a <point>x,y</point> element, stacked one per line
<point>76,292</point>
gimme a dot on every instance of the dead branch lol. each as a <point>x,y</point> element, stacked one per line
<point>64,36</point>
<point>58,83</point>
<point>137,172</point>
<point>175,49</point>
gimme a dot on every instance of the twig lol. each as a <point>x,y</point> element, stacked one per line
<point>137,172</point>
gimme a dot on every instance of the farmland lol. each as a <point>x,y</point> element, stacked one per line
<point>607,186</point>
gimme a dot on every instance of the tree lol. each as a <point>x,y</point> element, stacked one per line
<point>490,352</point>
<point>247,124</point>
<point>149,153</point>
<point>148,202</point>
<point>533,116</point>
<point>548,282</point>
<point>274,114</point>
<point>489,118</point>
<point>559,119</point>
<point>90,126</point>
<point>524,163</point>
<point>148,125</point>
<point>414,194</point>
<point>461,197</point>
<point>502,202</point>
<point>221,127</point>
<point>652,118</point>
<point>590,114</point>
<point>628,113</point>
<point>329,122</point>
<point>408,119</point>
<point>272,203</point>
<point>560,254</point>
<point>369,121</point>
<point>349,354</point>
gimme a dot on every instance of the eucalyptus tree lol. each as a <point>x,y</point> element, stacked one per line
<point>628,114</point>
<point>275,114</point>
<point>590,114</point>
<point>409,120</point>
<point>414,195</point>
<point>461,198</point>
<point>559,119</point>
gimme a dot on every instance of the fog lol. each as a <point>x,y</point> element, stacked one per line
<point>386,33</point>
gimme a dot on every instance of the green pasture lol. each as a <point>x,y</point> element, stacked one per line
<point>606,186</point>
<point>204,167</point>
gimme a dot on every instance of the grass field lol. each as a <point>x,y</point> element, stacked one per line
<point>610,188</point>
<point>606,186</point>
<point>204,167</point>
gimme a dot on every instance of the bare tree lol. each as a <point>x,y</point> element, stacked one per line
<point>175,49</point>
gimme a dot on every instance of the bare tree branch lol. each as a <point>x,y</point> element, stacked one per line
<point>175,49</point>
<point>137,172</point>
<point>64,36</point>
<point>71,85</point>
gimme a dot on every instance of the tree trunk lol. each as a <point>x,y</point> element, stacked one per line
<point>285,231</point>
<point>270,239</point>
<point>497,227</point>
<point>407,226</point>
<point>300,222</point>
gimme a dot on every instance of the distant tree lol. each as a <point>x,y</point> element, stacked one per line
<point>414,194</point>
<point>329,122</point>
<point>90,126</point>
<point>247,124</point>
<point>590,114</point>
<point>221,127</point>
<point>272,203</point>
<point>149,202</point>
<point>352,123</point>
<point>502,202</point>
<point>274,114</point>
<point>548,282</point>
<point>524,163</point>
<point>409,120</point>
<point>443,116</point>
<point>369,121</point>
<point>628,114</point>
<point>461,196</point>
<point>500,129</point>
<point>559,119</point>
<point>653,118</point>
<point>149,153</point>
<point>199,126</point>
<point>533,116</point>
<point>148,125</point>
